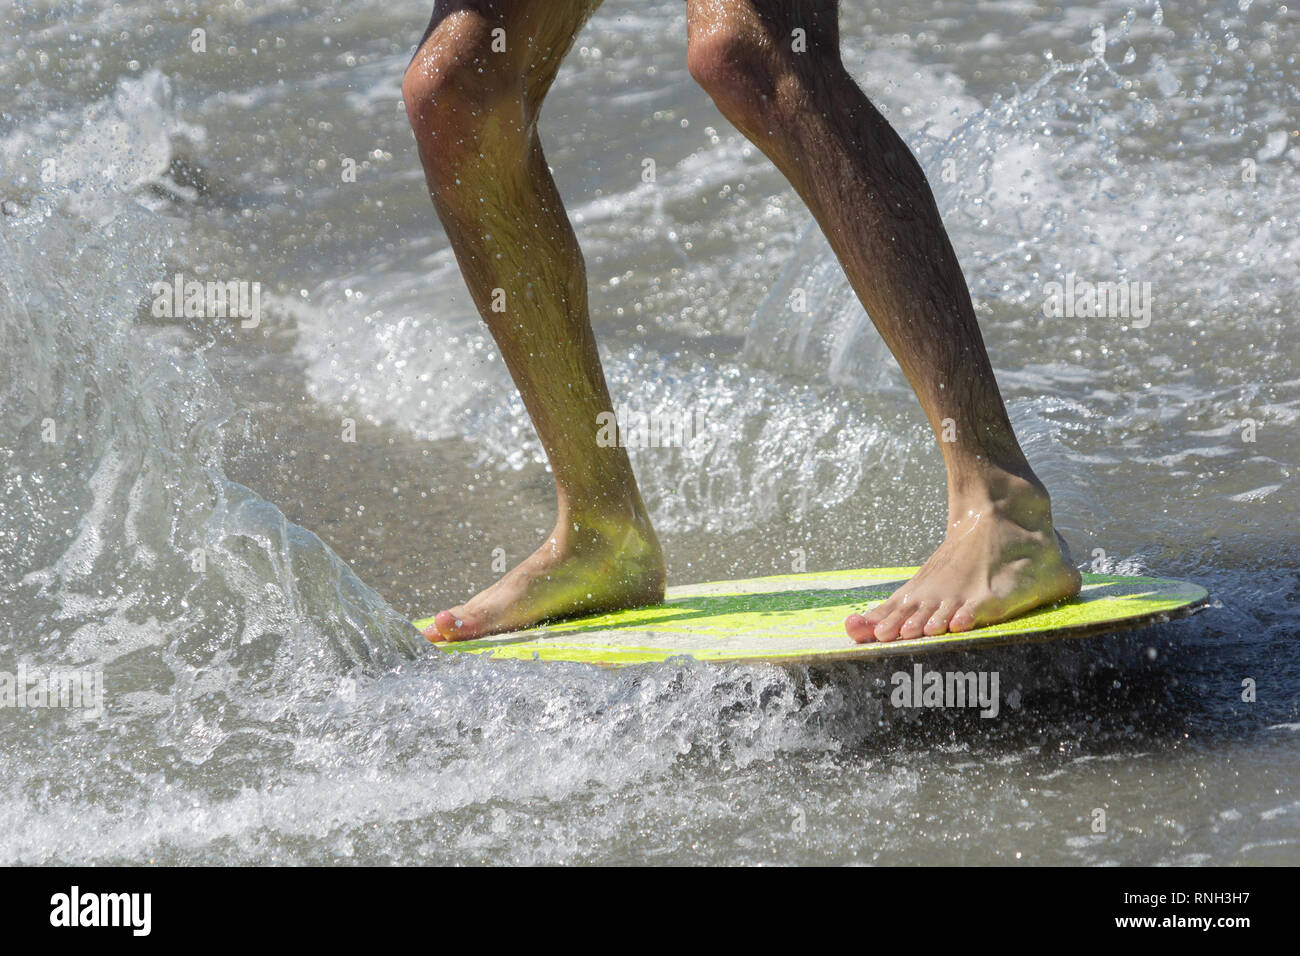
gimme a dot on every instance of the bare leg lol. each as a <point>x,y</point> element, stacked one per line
<point>473,91</point>
<point>1001,556</point>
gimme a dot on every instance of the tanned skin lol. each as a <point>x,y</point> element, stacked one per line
<point>474,112</point>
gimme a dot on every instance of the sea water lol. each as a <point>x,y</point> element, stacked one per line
<point>230,521</point>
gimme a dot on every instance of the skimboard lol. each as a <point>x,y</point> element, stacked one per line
<point>799,618</point>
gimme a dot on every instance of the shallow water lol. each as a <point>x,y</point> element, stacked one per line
<point>198,529</point>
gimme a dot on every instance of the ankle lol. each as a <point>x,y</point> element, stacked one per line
<point>992,478</point>
<point>603,528</point>
<point>622,546</point>
<point>1018,495</point>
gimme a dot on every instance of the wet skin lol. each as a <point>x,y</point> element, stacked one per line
<point>474,106</point>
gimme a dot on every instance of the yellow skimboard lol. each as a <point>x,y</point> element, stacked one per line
<point>799,618</point>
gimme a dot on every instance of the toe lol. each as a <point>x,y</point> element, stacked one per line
<point>453,626</point>
<point>859,628</point>
<point>887,630</point>
<point>963,619</point>
<point>938,623</point>
<point>914,626</point>
<point>881,611</point>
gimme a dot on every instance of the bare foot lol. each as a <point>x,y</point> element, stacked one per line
<point>584,567</point>
<point>1000,559</point>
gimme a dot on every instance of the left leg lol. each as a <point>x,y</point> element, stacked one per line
<point>773,68</point>
<point>474,109</point>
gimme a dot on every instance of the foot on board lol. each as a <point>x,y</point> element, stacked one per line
<point>1000,559</point>
<point>582,568</point>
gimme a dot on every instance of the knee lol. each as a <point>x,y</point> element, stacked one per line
<point>451,89</point>
<point>738,69</point>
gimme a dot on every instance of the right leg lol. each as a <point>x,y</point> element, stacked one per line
<point>1001,556</point>
<point>473,91</point>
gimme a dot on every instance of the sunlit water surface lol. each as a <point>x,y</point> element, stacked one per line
<point>198,529</point>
